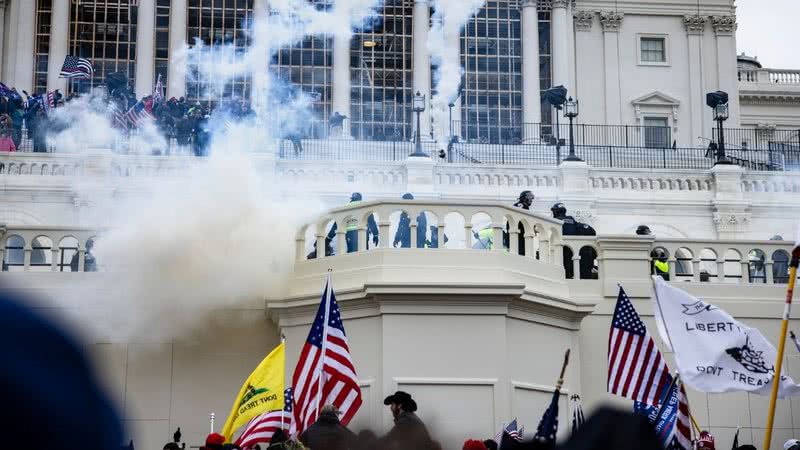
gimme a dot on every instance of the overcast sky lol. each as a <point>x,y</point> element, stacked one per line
<point>770,30</point>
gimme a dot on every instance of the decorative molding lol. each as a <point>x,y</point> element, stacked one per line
<point>537,387</point>
<point>528,3</point>
<point>559,4</point>
<point>611,20</point>
<point>657,99</point>
<point>583,20</point>
<point>694,24</point>
<point>724,25</point>
<point>731,221</point>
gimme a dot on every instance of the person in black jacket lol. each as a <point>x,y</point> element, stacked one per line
<point>327,433</point>
<point>409,432</point>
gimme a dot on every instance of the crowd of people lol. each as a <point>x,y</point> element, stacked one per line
<point>632,432</point>
<point>27,120</point>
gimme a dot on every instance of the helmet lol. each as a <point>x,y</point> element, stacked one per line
<point>525,194</point>
<point>355,197</point>
<point>643,230</point>
<point>408,196</point>
<point>559,210</point>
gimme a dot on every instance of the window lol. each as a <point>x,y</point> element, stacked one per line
<point>653,50</point>
<point>656,132</point>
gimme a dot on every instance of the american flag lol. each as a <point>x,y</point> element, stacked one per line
<point>325,374</point>
<point>683,424</point>
<point>158,92</point>
<point>511,430</point>
<point>75,67</point>
<point>548,426</point>
<point>636,369</point>
<point>138,114</point>
<point>263,426</point>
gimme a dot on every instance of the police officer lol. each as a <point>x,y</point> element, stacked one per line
<point>351,234</point>
<point>525,200</point>
<point>402,237</point>
<point>660,264</point>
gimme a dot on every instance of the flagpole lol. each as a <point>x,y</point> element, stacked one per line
<point>661,312</point>
<point>327,301</point>
<point>283,409</point>
<point>560,381</point>
<point>776,380</point>
<point>669,389</point>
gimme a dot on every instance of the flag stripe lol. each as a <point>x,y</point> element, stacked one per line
<point>636,369</point>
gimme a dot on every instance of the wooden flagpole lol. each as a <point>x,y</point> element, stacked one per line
<point>560,381</point>
<point>795,261</point>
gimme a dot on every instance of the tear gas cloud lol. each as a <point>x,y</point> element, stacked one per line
<point>219,235</point>
<point>444,43</point>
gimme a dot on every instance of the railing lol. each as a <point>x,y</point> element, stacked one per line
<point>47,249</point>
<point>763,149</point>
<point>770,76</point>
<point>432,225</point>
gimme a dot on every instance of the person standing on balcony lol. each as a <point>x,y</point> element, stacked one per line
<point>524,201</point>
<point>403,234</point>
<point>6,143</point>
<point>351,236</point>
<point>17,119</point>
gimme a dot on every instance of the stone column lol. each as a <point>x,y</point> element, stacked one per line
<point>176,71</point>
<point>341,80</point>
<point>611,22</point>
<point>571,48</point>
<point>59,45</point>
<point>725,30</point>
<point>2,30</point>
<point>422,61</point>
<point>23,62</point>
<point>531,96</point>
<point>145,47</point>
<point>695,27</point>
<point>10,43</point>
<point>560,43</point>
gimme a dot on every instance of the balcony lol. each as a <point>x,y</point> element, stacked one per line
<point>770,79</point>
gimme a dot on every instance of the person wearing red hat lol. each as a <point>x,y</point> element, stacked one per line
<point>472,444</point>
<point>705,441</point>
<point>214,441</point>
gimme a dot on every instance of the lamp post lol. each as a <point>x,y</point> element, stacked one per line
<point>721,115</point>
<point>571,112</point>
<point>418,107</point>
<point>556,96</point>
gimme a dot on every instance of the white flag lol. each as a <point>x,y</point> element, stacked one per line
<point>714,352</point>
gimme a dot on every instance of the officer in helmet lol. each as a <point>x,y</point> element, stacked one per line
<point>525,200</point>
<point>402,237</point>
<point>351,236</point>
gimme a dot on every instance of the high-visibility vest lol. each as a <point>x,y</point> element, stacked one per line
<point>661,266</point>
<point>487,235</point>
<point>352,222</point>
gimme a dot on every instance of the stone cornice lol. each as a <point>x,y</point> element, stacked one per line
<point>583,20</point>
<point>724,25</point>
<point>694,24</point>
<point>611,20</point>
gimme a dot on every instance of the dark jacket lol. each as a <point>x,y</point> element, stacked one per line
<point>408,433</point>
<point>327,433</point>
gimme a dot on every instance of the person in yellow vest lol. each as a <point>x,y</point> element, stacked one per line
<point>484,239</point>
<point>660,264</point>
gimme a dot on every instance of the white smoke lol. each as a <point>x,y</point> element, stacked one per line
<point>220,235</point>
<point>449,19</point>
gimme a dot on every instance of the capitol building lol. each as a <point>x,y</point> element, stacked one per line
<point>475,334</point>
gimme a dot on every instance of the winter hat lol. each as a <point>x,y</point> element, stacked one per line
<point>791,443</point>
<point>472,444</point>
<point>705,441</point>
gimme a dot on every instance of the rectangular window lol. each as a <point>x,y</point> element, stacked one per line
<point>656,132</point>
<point>653,49</point>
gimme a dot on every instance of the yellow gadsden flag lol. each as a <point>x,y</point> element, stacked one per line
<point>261,392</point>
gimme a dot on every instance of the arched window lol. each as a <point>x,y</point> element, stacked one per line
<point>683,264</point>
<point>569,267</point>
<point>68,254</point>
<point>758,273</point>
<point>588,264</point>
<point>732,266</point>
<point>780,267</point>
<point>41,254</point>
<point>14,258</point>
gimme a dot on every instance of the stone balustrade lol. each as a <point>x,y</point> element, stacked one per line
<point>44,249</point>
<point>448,225</point>
<point>770,76</point>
